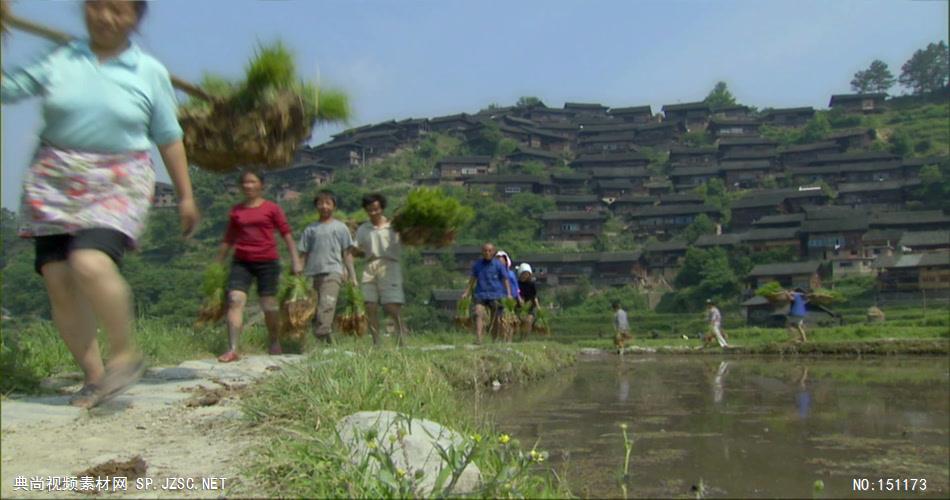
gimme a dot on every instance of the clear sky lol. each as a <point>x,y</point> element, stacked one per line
<point>424,58</point>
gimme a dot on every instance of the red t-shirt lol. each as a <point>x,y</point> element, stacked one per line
<point>251,231</point>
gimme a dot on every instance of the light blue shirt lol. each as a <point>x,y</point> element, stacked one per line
<point>324,244</point>
<point>122,104</point>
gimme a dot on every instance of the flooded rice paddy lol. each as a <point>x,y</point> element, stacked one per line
<point>739,427</point>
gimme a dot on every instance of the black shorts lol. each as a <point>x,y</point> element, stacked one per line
<point>493,305</point>
<point>243,273</point>
<point>57,247</point>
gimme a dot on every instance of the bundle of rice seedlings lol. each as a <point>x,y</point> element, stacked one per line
<point>463,313</point>
<point>541,322</point>
<point>430,218</point>
<point>261,121</point>
<point>773,292</point>
<point>352,320</point>
<point>298,305</point>
<point>824,297</point>
<point>509,321</point>
<point>214,288</point>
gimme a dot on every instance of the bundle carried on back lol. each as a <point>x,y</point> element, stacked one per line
<point>352,321</point>
<point>824,297</point>
<point>298,304</point>
<point>261,121</point>
<point>541,326</point>
<point>430,218</point>
<point>773,292</point>
<point>214,288</point>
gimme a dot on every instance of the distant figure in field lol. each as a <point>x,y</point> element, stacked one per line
<point>251,227</point>
<point>381,282</point>
<point>529,303</point>
<point>621,326</point>
<point>796,315</point>
<point>489,282</point>
<point>714,321</point>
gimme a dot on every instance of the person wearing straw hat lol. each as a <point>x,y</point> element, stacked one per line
<point>89,188</point>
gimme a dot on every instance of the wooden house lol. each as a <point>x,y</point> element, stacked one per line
<point>566,130</point>
<point>693,156</point>
<point>445,300</point>
<point>633,114</point>
<point>805,275</point>
<point>301,177</point>
<point>772,238</point>
<point>659,134</point>
<point>571,183</point>
<point>877,242</point>
<point>413,128</point>
<point>852,138</point>
<point>607,143</point>
<point>578,203</point>
<point>628,159</point>
<point>788,117</point>
<point>914,272</point>
<point>695,115</point>
<point>756,205</point>
<point>731,111</point>
<point>747,174</point>
<point>801,154</point>
<point>925,241</point>
<point>689,178</point>
<point>664,219</point>
<point>458,168</point>
<point>681,199</point>
<point>892,193</point>
<point>554,141</point>
<point>163,196</point>
<point>918,220</point>
<point>629,204</point>
<point>732,145</point>
<point>542,115</point>
<point>851,157</point>
<point>379,143</point>
<point>340,154</point>
<point>618,269</point>
<point>586,110</point>
<point>615,188</point>
<point>505,186</point>
<point>461,257</point>
<point>824,238</point>
<point>525,155</point>
<point>453,124</point>
<point>858,103</point>
<point>782,220</point>
<point>663,259</point>
<point>733,127</point>
<point>572,226</point>
<point>558,269</point>
<point>727,241</point>
<point>658,185</point>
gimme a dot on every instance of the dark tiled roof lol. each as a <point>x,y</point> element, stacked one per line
<point>834,212</point>
<point>662,210</point>
<point>725,122</point>
<point>505,179</point>
<point>719,240</point>
<point>925,238</point>
<point>853,157</point>
<point>745,165</point>
<point>535,152</point>
<point>785,269</point>
<point>814,146</point>
<point>686,106</point>
<point>628,137</point>
<point>460,116</point>
<point>613,158</point>
<point>687,151</point>
<point>577,215</point>
<point>673,245</point>
<point>748,155</point>
<point>671,199</point>
<point>913,260</point>
<point>614,184</point>
<point>866,187</point>
<point>626,172</point>
<point>892,235</point>
<point>788,111</point>
<point>576,198</point>
<point>910,217</point>
<point>631,110</point>
<point>771,234</point>
<point>635,200</point>
<point>481,160</point>
<point>855,97</point>
<point>835,225</point>
<point>697,170</point>
<point>790,219</point>
<point>585,105</point>
<point>547,258</point>
<point>574,176</point>
<point>848,133</point>
<point>746,141</point>
<point>629,256</point>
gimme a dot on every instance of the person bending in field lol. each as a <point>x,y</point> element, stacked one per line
<point>324,247</point>
<point>381,282</point>
<point>489,281</point>
<point>251,226</point>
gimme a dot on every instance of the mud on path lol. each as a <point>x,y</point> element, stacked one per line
<point>184,422</point>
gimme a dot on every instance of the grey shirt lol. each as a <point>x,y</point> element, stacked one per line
<point>620,321</point>
<point>324,243</point>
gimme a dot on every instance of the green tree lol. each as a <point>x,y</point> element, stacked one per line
<point>720,96</point>
<point>934,189</point>
<point>927,70</point>
<point>700,226</point>
<point>900,143</point>
<point>528,101</point>
<point>486,140</point>
<point>877,78</point>
<point>815,130</point>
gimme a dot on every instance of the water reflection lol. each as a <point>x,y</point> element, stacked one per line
<point>745,426</point>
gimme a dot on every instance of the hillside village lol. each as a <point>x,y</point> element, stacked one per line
<point>844,203</point>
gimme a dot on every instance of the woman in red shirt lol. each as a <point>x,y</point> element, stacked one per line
<point>250,233</point>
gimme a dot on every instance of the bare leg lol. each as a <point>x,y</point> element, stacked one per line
<point>98,278</point>
<point>272,320</point>
<point>235,318</point>
<point>480,313</point>
<point>372,317</point>
<point>74,320</point>
<point>395,311</point>
<point>801,332</point>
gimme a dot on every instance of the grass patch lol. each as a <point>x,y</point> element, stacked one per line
<point>305,458</point>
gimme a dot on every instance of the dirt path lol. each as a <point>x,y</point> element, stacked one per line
<point>184,422</point>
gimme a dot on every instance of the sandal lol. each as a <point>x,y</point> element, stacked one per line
<point>228,357</point>
<point>85,396</point>
<point>118,381</point>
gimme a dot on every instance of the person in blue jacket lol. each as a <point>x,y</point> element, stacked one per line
<point>489,281</point>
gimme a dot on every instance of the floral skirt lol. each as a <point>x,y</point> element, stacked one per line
<point>66,191</point>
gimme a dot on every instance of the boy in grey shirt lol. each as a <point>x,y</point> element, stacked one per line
<point>324,247</point>
<point>621,326</point>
